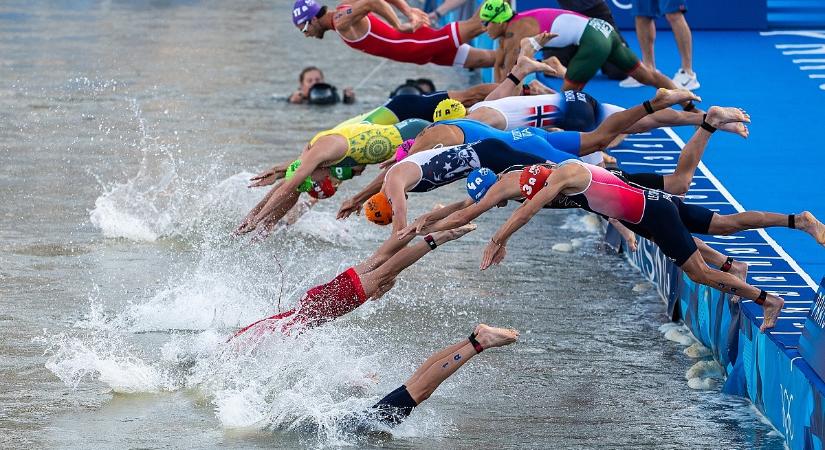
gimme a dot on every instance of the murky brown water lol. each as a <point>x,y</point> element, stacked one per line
<point>126,128</point>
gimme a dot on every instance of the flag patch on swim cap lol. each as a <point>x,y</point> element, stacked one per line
<point>322,190</point>
<point>533,179</point>
<point>496,11</point>
<point>479,181</point>
<point>449,109</point>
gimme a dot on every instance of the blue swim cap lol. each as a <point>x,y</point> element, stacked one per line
<point>479,181</point>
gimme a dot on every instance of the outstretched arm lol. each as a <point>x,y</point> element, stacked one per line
<point>559,180</point>
<point>417,17</point>
<point>353,204</point>
<point>424,221</point>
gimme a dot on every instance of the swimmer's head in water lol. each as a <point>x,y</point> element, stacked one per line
<point>322,189</point>
<point>403,150</point>
<point>479,181</point>
<point>495,11</point>
<point>341,173</point>
<point>449,109</point>
<point>533,179</point>
<point>378,209</point>
<point>305,185</point>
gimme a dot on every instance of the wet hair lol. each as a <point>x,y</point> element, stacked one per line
<point>426,82</point>
<point>307,70</point>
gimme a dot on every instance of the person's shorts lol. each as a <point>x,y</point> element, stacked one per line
<point>599,43</point>
<point>656,8</point>
<point>394,407</point>
<point>668,222</point>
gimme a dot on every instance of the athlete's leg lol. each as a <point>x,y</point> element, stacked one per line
<point>644,75</point>
<point>477,58</point>
<point>732,223</point>
<point>444,363</point>
<point>646,32</point>
<point>671,118</point>
<point>385,273</point>
<point>398,404</point>
<point>698,271</point>
<point>473,95</point>
<point>386,251</point>
<point>717,260</point>
<point>525,65</point>
<point>607,131</point>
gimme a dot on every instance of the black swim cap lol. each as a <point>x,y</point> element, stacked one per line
<point>323,94</point>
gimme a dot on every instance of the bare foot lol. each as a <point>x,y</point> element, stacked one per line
<point>442,237</point>
<point>739,270</point>
<point>736,128</point>
<point>558,67</point>
<point>806,222</point>
<point>530,45</point>
<point>525,66</point>
<point>718,116</point>
<point>437,206</point>
<point>665,98</point>
<point>770,311</point>
<point>490,337</point>
<point>537,88</point>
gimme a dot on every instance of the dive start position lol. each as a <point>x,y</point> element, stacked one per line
<point>425,170</point>
<point>661,217</point>
<point>360,25</point>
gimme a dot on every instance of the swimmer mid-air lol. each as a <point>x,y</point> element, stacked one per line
<point>658,216</point>
<point>596,40</point>
<point>360,25</point>
<point>536,142</point>
<point>345,146</point>
<point>370,279</point>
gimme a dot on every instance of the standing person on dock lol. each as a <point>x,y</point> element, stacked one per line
<point>596,40</point>
<point>646,11</point>
<point>360,26</point>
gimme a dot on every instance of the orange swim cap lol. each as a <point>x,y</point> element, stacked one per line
<point>378,209</point>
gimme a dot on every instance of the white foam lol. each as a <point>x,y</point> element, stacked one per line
<point>697,350</point>
<point>72,359</point>
<point>704,369</point>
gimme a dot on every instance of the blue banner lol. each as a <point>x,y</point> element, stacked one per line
<point>812,342</point>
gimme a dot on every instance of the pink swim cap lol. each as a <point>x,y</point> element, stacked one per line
<point>404,149</point>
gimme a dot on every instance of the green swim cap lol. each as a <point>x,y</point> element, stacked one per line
<point>305,185</point>
<point>496,11</point>
<point>341,173</point>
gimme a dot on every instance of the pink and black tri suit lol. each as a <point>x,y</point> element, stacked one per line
<point>658,216</point>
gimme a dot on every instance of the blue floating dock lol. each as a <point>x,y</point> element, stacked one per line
<point>778,76</point>
<point>780,371</point>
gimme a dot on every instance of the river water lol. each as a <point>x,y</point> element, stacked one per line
<point>127,131</point>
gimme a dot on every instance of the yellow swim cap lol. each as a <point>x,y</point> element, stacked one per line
<point>449,109</point>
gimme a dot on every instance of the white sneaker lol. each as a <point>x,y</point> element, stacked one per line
<point>685,81</point>
<point>630,82</point>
